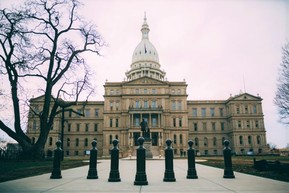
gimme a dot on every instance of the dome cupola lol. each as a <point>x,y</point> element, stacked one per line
<point>145,59</point>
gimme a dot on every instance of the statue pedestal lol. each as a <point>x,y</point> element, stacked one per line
<point>147,145</point>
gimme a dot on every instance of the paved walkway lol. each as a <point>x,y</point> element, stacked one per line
<point>210,180</point>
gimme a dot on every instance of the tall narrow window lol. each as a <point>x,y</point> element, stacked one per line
<point>173,105</point>
<point>87,113</point>
<point>222,126</point>
<point>175,139</point>
<point>249,140</point>
<point>77,127</point>
<point>195,112</point>
<point>241,140</point>
<point>212,111</point>
<point>85,142</point>
<point>205,141</point>
<point>214,141</point>
<point>257,124</point>
<point>258,140</point>
<point>116,122</point>
<point>213,126</point>
<point>174,122</point>
<point>145,104</point>
<point>50,141</point>
<point>95,126</point>
<point>69,127</point>
<point>110,122</point>
<point>180,122</point>
<point>76,142</point>
<point>221,112</point>
<point>181,139</point>
<point>111,106</point>
<point>110,139</point>
<point>196,126</point>
<point>203,112</point>
<point>154,104</point>
<point>196,141</point>
<point>204,126</point>
<point>96,112</point>
<point>255,109</point>
<point>136,104</point>
<point>180,105</point>
<point>67,142</point>
<point>86,127</point>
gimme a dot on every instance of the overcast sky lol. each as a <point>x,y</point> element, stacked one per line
<point>218,47</point>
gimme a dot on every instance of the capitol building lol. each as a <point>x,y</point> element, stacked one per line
<point>147,94</point>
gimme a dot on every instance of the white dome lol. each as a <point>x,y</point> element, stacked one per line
<point>145,58</point>
<point>145,51</point>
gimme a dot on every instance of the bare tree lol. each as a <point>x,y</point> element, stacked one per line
<point>43,42</point>
<point>282,94</point>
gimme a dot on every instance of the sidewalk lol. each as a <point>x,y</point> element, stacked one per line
<point>210,180</point>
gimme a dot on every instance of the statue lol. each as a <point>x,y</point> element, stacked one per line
<point>145,129</point>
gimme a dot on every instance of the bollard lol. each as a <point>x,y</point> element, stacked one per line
<point>228,172</point>
<point>114,163</point>
<point>140,176</point>
<point>56,172</point>
<point>192,173</point>
<point>92,172</point>
<point>169,164</point>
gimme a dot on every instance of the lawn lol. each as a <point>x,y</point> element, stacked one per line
<point>244,164</point>
<point>11,170</point>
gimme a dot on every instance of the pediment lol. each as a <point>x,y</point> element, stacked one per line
<point>145,80</point>
<point>245,96</point>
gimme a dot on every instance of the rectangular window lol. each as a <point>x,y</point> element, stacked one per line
<point>154,121</point>
<point>222,126</point>
<point>213,126</point>
<point>246,109</point>
<point>174,122</point>
<point>77,127</point>
<point>87,113</point>
<point>116,122</point>
<point>154,91</point>
<point>203,112</point>
<point>239,124</point>
<point>145,91</point>
<point>180,105</point>
<point>221,112</point>
<point>86,127</point>
<point>195,112</point>
<point>204,126</point>
<point>136,104</point>
<point>238,110</point>
<point>137,91</point>
<point>145,105</point>
<point>116,105</point>
<point>96,112</point>
<point>154,104</point>
<point>137,123</point>
<point>95,126</point>
<point>173,105</point>
<point>248,124</point>
<point>110,122</point>
<point>212,111</point>
<point>111,106</point>
<point>180,122</point>
<point>75,152</point>
<point>255,109</point>
<point>69,127</point>
<point>257,124</point>
<point>196,126</point>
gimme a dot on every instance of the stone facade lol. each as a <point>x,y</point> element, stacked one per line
<point>146,94</point>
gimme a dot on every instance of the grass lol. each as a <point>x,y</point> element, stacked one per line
<point>11,170</point>
<point>244,164</point>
